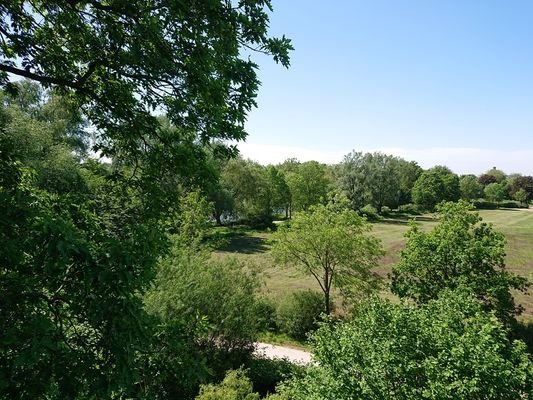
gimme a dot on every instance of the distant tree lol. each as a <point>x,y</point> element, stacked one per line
<point>434,186</point>
<point>330,243</point>
<point>460,250</point>
<point>522,182</point>
<point>486,179</point>
<point>498,175</point>
<point>375,179</point>
<point>309,185</point>
<point>521,196</point>
<point>495,192</point>
<point>249,185</point>
<point>470,187</point>
<point>409,171</point>
<point>449,348</point>
<point>280,195</point>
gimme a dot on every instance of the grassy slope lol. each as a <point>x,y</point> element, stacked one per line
<point>516,225</point>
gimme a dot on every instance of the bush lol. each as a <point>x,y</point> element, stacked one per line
<point>409,208</point>
<point>482,204</point>
<point>385,210</point>
<point>265,312</point>
<point>266,374</point>
<point>299,314</point>
<point>235,386</point>
<point>370,212</point>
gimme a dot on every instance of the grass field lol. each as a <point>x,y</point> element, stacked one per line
<point>253,247</point>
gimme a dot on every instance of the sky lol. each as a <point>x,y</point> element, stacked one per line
<point>438,82</point>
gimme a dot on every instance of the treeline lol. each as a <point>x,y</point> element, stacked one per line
<point>373,182</point>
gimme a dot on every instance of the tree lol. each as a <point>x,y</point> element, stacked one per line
<point>449,348</point>
<point>521,196</point>
<point>409,171</point>
<point>498,174</point>
<point>308,185</point>
<point>486,179</point>
<point>435,185</point>
<point>250,187</point>
<point>494,192</point>
<point>460,250</point>
<point>279,189</point>
<point>122,60</point>
<point>522,182</point>
<point>470,187</point>
<point>372,178</point>
<point>331,244</point>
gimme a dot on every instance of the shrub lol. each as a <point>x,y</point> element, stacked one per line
<point>265,312</point>
<point>370,212</point>
<point>235,386</point>
<point>385,210</point>
<point>299,313</point>
<point>266,374</point>
<point>482,204</point>
<point>409,208</point>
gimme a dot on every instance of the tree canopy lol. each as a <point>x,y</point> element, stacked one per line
<point>448,349</point>
<point>460,250</point>
<point>331,243</point>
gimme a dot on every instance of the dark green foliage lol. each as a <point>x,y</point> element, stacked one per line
<point>122,60</point>
<point>267,374</point>
<point>522,182</point>
<point>448,349</point>
<point>265,313</point>
<point>460,251</point>
<point>434,186</point>
<point>298,314</point>
<point>70,266</point>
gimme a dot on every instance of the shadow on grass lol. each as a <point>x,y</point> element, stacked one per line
<point>405,219</point>
<point>243,244</point>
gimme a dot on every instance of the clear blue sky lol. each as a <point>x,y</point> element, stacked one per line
<point>436,81</point>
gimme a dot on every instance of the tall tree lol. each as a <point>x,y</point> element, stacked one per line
<point>330,243</point>
<point>122,60</point>
<point>309,184</point>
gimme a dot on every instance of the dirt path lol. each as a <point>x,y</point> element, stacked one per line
<point>293,355</point>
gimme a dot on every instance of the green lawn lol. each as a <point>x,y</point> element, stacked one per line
<point>253,247</point>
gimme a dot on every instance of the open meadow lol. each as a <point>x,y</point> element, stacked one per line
<point>253,247</point>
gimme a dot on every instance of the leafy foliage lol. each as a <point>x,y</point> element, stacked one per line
<point>122,60</point>
<point>331,243</point>
<point>460,250</point>
<point>450,348</point>
<point>235,386</point>
<point>299,314</point>
<point>434,186</point>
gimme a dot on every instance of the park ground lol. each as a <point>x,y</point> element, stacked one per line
<point>253,247</point>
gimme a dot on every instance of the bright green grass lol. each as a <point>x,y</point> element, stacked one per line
<point>253,247</point>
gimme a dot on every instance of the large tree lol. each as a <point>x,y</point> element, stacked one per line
<point>460,250</point>
<point>121,60</point>
<point>332,244</point>
<point>435,185</point>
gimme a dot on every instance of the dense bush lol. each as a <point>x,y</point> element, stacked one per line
<point>265,313</point>
<point>409,209</point>
<point>235,386</point>
<point>482,204</point>
<point>298,314</point>
<point>449,348</point>
<point>266,374</point>
<point>370,212</point>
